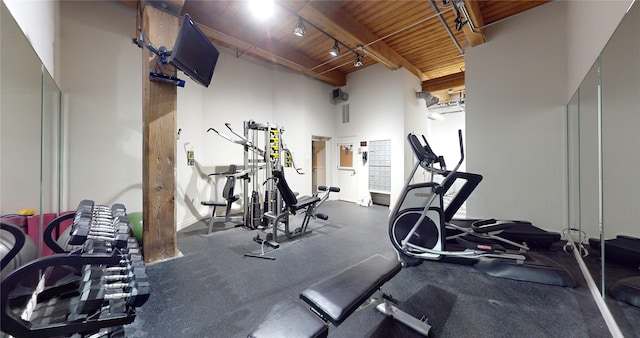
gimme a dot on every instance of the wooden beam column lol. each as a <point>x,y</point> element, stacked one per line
<point>476,36</point>
<point>159,139</point>
<point>444,82</point>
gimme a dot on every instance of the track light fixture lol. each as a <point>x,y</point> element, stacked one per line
<point>335,51</point>
<point>300,29</point>
<point>358,61</point>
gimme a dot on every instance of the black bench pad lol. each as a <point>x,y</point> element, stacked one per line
<point>337,297</point>
<point>292,320</point>
<point>305,201</point>
<point>214,203</point>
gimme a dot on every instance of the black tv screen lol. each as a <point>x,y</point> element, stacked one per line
<point>193,53</point>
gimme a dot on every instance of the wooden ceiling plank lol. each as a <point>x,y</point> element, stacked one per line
<point>224,26</point>
<point>445,82</point>
<point>410,34</point>
<point>331,18</point>
<point>475,36</point>
<point>277,53</point>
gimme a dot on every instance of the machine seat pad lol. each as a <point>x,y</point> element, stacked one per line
<point>305,201</point>
<point>337,297</point>
<point>213,203</point>
<point>289,318</point>
<point>325,188</point>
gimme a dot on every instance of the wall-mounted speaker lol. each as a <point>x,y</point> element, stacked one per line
<point>338,95</point>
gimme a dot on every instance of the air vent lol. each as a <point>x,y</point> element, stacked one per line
<point>429,99</point>
<point>345,113</point>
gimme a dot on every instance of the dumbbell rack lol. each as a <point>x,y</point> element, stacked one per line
<point>94,289</point>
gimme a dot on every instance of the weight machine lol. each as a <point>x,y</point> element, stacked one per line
<point>264,153</point>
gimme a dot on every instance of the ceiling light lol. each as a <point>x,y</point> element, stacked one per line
<point>358,62</point>
<point>300,29</point>
<point>436,116</point>
<point>262,9</point>
<point>335,51</point>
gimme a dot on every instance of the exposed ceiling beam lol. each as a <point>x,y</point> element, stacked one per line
<point>268,49</point>
<point>275,52</point>
<point>332,19</point>
<point>442,83</point>
<point>475,36</point>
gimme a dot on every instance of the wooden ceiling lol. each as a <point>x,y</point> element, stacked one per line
<point>404,33</point>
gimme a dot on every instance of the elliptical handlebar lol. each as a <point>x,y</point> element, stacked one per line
<point>451,174</point>
<point>428,157</point>
<point>461,147</point>
<point>428,149</point>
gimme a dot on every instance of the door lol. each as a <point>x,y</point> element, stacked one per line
<point>347,169</point>
<point>319,163</point>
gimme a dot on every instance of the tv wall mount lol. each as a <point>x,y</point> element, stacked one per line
<point>163,55</point>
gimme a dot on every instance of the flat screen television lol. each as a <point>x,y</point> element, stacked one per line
<point>193,53</point>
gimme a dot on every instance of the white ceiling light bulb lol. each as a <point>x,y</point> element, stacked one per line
<point>261,9</point>
<point>300,29</point>
<point>358,62</point>
<point>335,51</point>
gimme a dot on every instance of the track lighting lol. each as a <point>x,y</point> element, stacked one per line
<point>300,29</point>
<point>335,51</point>
<point>358,61</point>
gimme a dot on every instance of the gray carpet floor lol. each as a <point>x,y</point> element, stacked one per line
<point>213,290</point>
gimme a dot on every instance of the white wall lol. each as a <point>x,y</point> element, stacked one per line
<point>589,24</point>
<point>38,19</point>
<point>380,100</point>
<point>415,121</point>
<point>515,112</point>
<point>304,110</point>
<point>518,84</point>
<point>101,83</point>
<point>620,69</point>
<point>20,115</point>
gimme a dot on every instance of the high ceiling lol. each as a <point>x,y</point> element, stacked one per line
<point>409,34</point>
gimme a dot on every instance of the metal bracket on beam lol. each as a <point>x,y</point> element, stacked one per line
<point>169,6</point>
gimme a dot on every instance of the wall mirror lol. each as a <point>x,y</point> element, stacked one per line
<point>603,143</point>
<point>30,120</point>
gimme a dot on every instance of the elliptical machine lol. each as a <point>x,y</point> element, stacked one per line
<point>417,229</point>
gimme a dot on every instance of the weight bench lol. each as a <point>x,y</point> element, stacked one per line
<point>227,193</point>
<point>293,205</point>
<point>334,299</point>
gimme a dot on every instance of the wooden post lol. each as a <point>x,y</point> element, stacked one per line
<point>159,139</point>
